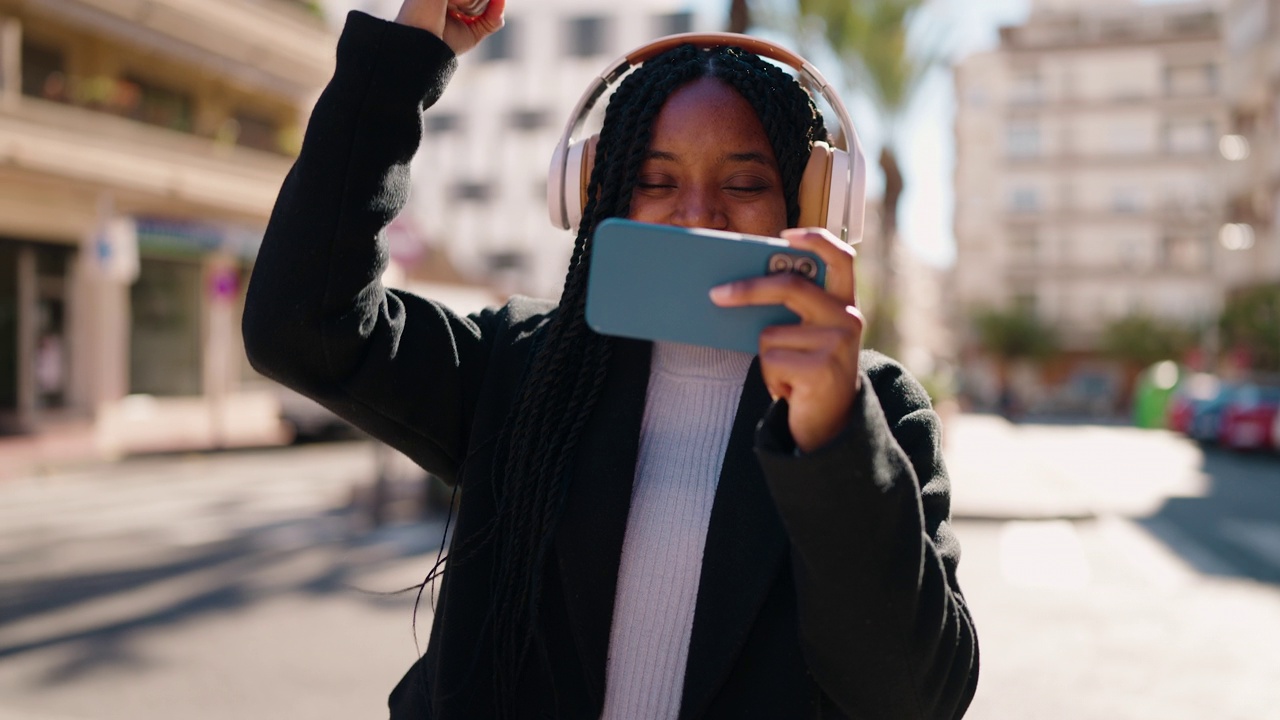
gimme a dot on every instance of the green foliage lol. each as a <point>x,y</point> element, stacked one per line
<point>1251,320</point>
<point>1014,334</point>
<point>1142,340</point>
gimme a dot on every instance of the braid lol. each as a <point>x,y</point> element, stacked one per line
<point>567,371</point>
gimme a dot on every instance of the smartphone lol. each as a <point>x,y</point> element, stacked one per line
<point>651,282</point>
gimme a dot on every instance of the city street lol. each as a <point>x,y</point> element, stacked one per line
<point>1114,573</point>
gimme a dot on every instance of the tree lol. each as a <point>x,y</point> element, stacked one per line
<point>1251,322</point>
<point>1141,340</point>
<point>870,37</point>
<point>1011,335</point>
<point>739,16</point>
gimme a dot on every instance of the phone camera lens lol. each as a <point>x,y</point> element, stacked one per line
<point>807,267</point>
<point>779,263</point>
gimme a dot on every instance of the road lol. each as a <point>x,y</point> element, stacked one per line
<point>1114,574</point>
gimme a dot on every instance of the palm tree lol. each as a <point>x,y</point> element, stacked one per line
<point>739,16</point>
<point>870,37</point>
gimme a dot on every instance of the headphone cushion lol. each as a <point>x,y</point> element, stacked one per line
<point>815,187</point>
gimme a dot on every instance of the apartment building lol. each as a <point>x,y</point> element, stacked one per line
<point>1251,33</point>
<point>480,176</point>
<point>1089,177</point>
<point>141,148</point>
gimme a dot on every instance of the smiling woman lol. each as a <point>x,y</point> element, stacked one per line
<point>647,529</point>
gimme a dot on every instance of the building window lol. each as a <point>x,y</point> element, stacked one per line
<point>1189,136</point>
<point>1125,200</point>
<point>500,45</point>
<point>1022,139</point>
<point>587,36</point>
<point>257,132</point>
<point>528,119</point>
<point>157,105</point>
<point>1191,80</point>
<point>472,191</point>
<point>440,123</point>
<point>44,73</point>
<point>1027,88</point>
<point>673,23</point>
<point>1024,199</point>
<point>1026,248</point>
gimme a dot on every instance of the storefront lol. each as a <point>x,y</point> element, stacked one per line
<point>35,347</point>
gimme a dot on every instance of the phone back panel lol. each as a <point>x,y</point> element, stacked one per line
<point>652,282</point>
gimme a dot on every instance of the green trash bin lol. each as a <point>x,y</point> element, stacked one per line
<point>1155,386</point>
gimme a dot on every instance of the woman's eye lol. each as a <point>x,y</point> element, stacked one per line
<point>746,189</point>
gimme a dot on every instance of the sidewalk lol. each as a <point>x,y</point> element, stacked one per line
<point>55,447</point>
<point>996,477</point>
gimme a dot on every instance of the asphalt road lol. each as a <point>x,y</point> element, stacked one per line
<point>1114,574</point>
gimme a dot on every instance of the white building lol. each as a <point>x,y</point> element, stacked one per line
<point>1251,31</point>
<point>1089,183</point>
<point>141,149</point>
<point>480,176</point>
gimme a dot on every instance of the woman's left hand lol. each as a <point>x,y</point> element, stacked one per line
<point>813,364</point>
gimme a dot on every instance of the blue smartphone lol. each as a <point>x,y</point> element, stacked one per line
<point>651,282</point>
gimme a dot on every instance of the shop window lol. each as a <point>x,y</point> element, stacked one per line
<point>165,346</point>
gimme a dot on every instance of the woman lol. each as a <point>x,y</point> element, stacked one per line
<point>647,530</point>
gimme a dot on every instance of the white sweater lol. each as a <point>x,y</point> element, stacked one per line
<point>689,410</point>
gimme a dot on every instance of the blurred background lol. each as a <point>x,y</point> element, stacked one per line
<point>1073,240</point>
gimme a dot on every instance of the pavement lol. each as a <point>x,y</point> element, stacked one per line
<point>1114,574</point>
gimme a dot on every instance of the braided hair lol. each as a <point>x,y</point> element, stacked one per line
<point>567,370</point>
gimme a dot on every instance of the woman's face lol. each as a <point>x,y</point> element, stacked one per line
<point>710,165</point>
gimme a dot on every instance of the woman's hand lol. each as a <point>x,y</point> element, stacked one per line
<point>814,364</point>
<point>459,34</point>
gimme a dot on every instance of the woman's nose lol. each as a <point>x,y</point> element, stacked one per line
<point>700,208</point>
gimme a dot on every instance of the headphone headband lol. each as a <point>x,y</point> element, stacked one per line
<point>558,197</point>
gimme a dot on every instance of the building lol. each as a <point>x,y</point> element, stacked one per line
<point>480,176</point>
<point>1089,179</point>
<point>141,149</point>
<point>1251,31</point>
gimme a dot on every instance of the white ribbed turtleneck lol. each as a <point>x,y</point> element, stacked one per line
<point>689,410</point>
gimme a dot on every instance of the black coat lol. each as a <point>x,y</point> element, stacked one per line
<point>828,584</point>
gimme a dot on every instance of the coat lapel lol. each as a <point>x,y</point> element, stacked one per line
<point>589,538</point>
<point>745,546</point>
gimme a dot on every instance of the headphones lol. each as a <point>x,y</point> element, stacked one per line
<point>833,188</point>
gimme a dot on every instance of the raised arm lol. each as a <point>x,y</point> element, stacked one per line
<point>885,629</point>
<point>317,317</point>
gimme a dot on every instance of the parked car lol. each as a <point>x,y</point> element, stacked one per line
<point>1275,433</point>
<point>1248,418</point>
<point>1206,414</point>
<point>1198,389</point>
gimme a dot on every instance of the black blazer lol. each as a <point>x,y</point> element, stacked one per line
<point>828,585</point>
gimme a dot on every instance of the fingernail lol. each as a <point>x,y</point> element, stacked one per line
<point>721,292</point>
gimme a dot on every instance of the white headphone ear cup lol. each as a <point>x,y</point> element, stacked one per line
<point>838,198</point>
<point>570,190</point>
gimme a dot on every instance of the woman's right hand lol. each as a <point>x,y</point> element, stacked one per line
<point>460,35</point>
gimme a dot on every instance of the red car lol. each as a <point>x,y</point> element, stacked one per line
<point>1249,417</point>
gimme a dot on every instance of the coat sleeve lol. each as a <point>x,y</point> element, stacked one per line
<point>884,626</point>
<point>317,317</point>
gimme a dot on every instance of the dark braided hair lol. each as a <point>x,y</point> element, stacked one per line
<point>567,371</point>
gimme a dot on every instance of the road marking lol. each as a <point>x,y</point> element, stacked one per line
<point>1043,554</point>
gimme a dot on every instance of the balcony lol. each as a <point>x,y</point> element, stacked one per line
<point>93,147</point>
<point>277,46</point>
